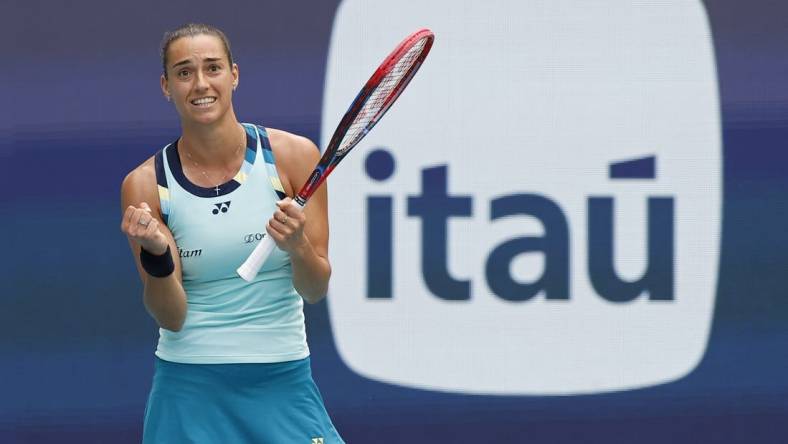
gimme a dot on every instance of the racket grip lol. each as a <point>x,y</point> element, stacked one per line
<point>249,269</point>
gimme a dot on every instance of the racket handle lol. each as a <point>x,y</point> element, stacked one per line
<point>249,269</point>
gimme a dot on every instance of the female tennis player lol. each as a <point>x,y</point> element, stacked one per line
<point>232,361</point>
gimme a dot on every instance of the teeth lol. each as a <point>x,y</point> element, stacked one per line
<point>204,101</point>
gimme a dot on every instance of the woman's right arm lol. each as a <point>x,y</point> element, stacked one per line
<point>164,297</point>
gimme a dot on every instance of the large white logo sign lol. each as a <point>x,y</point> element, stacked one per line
<point>540,212</point>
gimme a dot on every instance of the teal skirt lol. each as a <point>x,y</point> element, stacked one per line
<point>236,403</point>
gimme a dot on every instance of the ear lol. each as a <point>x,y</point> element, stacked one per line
<point>165,87</point>
<point>235,75</point>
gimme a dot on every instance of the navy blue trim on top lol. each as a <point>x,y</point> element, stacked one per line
<point>161,178</point>
<point>268,157</point>
<point>176,168</point>
<point>158,160</point>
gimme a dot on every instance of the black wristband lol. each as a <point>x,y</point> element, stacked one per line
<point>157,266</point>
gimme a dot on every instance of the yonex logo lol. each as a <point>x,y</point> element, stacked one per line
<point>222,207</point>
<point>551,221</point>
<point>317,440</point>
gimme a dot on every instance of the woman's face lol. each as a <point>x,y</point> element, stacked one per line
<point>199,80</point>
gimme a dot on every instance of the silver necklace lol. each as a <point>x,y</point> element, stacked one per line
<point>202,170</point>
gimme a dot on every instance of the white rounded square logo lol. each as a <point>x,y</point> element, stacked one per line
<point>540,211</point>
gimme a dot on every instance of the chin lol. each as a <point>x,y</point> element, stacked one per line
<point>207,118</point>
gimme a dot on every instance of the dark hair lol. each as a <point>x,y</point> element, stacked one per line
<point>192,30</point>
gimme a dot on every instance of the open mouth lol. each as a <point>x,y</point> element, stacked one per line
<point>203,101</point>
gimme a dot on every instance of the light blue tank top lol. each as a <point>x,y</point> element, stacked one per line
<point>229,320</point>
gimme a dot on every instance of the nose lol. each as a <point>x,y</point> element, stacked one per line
<point>200,81</point>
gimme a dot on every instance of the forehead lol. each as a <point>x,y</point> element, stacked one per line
<point>195,48</point>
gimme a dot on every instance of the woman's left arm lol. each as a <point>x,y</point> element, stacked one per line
<point>303,234</point>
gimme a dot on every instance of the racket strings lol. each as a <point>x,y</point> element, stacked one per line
<point>380,97</point>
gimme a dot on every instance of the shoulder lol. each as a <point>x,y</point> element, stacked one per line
<point>143,176</point>
<point>296,157</point>
<point>291,147</point>
<point>139,185</point>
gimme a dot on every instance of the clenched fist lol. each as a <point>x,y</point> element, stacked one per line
<point>141,227</point>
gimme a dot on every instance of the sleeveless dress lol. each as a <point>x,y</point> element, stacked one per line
<point>239,370</point>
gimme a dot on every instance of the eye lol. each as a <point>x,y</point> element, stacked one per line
<point>214,68</point>
<point>183,74</point>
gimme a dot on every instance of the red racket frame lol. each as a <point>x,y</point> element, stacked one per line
<point>331,157</point>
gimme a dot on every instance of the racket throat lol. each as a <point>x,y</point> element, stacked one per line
<point>309,188</point>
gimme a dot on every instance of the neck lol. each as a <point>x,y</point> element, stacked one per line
<point>214,145</point>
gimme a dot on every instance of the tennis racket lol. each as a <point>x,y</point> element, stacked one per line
<point>371,103</point>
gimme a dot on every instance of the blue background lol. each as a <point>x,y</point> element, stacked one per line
<point>83,107</point>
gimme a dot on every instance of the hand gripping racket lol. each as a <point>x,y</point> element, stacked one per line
<point>371,103</point>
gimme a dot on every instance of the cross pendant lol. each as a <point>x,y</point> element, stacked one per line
<point>217,190</point>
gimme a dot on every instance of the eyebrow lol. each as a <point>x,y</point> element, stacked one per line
<point>188,61</point>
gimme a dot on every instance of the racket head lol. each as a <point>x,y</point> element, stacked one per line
<point>382,89</point>
<point>373,101</point>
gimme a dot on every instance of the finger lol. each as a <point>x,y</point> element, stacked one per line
<point>280,227</point>
<point>276,223</point>
<point>281,216</point>
<point>145,206</point>
<point>138,231</point>
<point>284,204</point>
<point>131,221</point>
<point>152,230</point>
<point>125,222</point>
<point>292,211</point>
<point>129,213</point>
<point>277,236</point>
<point>135,218</point>
<point>147,226</point>
<point>141,220</point>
